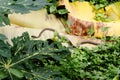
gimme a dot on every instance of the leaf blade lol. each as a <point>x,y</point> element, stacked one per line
<point>2,75</point>
<point>16,72</point>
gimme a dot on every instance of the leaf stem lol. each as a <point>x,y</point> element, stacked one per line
<point>18,50</point>
<point>10,74</point>
<point>39,76</point>
<point>34,54</point>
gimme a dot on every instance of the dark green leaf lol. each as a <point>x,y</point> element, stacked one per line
<point>2,37</point>
<point>18,6</point>
<point>59,78</point>
<point>2,75</point>
<point>62,11</point>
<point>4,20</point>
<point>42,74</point>
<point>16,72</point>
<point>1,22</point>
<point>5,53</point>
<point>5,49</point>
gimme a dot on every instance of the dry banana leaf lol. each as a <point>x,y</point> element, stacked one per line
<point>81,17</point>
<point>113,11</point>
<point>37,19</point>
<point>34,23</point>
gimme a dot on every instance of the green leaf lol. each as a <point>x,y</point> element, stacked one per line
<point>16,72</point>
<point>41,3</point>
<point>59,78</point>
<point>2,75</point>
<point>68,30</point>
<point>2,37</point>
<point>62,11</point>
<point>98,6</point>
<point>116,77</point>
<point>91,31</point>
<point>68,22</point>
<point>103,29</point>
<point>1,22</point>
<point>18,8</point>
<point>4,20</point>
<point>52,9</point>
<point>5,49</point>
<point>5,53</point>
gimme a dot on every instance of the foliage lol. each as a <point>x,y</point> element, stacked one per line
<point>27,58</point>
<point>60,11</point>
<point>101,63</point>
<point>99,3</point>
<point>101,17</point>
<point>22,6</point>
<point>53,8</point>
<point>30,59</point>
<point>91,31</point>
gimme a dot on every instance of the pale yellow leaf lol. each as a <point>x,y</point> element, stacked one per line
<point>37,19</point>
<point>81,15</point>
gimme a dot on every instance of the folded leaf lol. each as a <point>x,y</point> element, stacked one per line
<point>82,18</point>
<point>79,10</point>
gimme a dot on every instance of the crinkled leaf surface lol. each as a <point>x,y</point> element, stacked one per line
<point>79,10</point>
<point>81,15</point>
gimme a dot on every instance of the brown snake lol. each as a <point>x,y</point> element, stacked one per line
<point>80,43</point>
